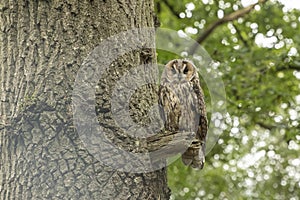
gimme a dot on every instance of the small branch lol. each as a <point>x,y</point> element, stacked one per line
<point>240,35</point>
<point>289,67</point>
<point>232,16</point>
<point>271,126</point>
<point>266,126</point>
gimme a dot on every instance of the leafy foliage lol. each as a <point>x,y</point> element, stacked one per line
<point>257,156</point>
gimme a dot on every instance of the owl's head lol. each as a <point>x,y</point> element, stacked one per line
<point>179,71</point>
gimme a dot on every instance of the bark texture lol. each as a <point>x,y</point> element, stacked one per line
<point>42,46</point>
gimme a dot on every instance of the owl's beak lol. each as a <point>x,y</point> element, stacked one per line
<point>180,77</point>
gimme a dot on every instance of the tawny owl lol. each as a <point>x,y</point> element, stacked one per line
<point>182,100</point>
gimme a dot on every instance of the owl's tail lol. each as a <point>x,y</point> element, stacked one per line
<point>194,156</point>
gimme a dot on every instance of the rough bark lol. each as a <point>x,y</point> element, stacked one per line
<point>42,46</point>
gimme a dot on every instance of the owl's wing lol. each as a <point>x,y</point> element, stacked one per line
<point>195,155</point>
<point>203,123</point>
<point>162,102</point>
<point>203,126</point>
<point>169,111</point>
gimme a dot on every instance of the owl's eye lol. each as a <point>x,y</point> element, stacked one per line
<point>173,70</point>
<point>185,71</point>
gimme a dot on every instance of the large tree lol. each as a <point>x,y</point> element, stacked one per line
<point>42,47</point>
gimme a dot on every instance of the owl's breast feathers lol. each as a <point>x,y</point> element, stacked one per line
<point>180,106</point>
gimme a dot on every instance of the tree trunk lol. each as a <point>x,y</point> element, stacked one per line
<point>42,46</point>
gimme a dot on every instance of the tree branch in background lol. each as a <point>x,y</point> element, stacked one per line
<point>279,67</point>
<point>171,8</point>
<point>232,16</point>
<point>292,66</point>
<point>266,126</point>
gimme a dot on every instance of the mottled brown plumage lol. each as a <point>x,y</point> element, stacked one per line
<point>182,100</point>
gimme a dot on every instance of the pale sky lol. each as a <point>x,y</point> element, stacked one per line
<point>289,4</point>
